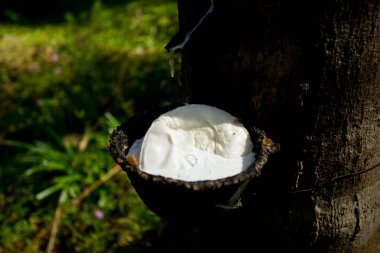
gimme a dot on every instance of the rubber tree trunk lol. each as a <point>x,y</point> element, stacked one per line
<point>308,73</point>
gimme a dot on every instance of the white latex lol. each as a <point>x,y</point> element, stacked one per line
<point>192,143</point>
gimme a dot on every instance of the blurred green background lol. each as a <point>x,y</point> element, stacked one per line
<point>70,72</point>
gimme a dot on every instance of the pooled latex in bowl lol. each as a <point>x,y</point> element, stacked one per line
<point>192,143</point>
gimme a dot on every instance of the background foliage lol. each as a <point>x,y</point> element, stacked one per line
<point>69,74</point>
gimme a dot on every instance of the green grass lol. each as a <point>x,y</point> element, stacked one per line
<point>63,89</point>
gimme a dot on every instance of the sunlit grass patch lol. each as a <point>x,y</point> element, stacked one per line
<point>79,69</point>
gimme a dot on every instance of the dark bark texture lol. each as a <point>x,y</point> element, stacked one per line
<point>308,73</point>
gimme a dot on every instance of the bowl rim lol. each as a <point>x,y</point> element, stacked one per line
<point>125,134</point>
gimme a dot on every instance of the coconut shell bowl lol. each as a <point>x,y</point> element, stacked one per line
<point>179,200</point>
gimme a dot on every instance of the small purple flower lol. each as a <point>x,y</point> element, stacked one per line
<point>98,214</point>
<point>54,57</point>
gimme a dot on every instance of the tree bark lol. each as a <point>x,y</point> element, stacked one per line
<point>308,73</point>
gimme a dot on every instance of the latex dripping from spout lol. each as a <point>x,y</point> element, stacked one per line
<point>180,40</point>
